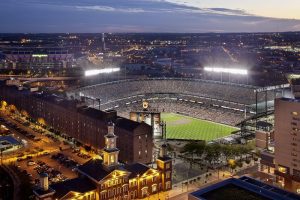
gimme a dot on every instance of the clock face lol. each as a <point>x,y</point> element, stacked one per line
<point>145,104</point>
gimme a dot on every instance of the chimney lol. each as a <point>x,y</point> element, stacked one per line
<point>44,181</point>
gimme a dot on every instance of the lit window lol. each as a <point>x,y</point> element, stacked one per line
<point>282,169</point>
<point>167,165</point>
<point>295,129</point>
<point>112,159</point>
<point>168,185</point>
<point>154,188</point>
<point>295,113</point>
<point>168,174</point>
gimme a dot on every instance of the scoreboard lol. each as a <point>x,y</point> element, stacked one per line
<point>150,117</point>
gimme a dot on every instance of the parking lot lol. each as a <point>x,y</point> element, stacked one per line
<point>57,169</point>
<point>43,151</point>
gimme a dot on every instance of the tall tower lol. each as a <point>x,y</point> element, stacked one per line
<point>164,165</point>
<point>110,152</point>
<point>103,42</point>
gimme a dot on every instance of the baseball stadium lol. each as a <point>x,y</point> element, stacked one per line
<point>191,109</point>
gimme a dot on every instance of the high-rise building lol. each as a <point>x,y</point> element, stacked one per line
<point>287,142</point>
<point>280,148</point>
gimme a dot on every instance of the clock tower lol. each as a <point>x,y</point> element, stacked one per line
<point>110,152</point>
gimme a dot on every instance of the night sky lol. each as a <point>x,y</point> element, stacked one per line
<point>40,16</point>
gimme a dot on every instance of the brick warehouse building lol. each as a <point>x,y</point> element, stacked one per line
<point>86,125</point>
<point>107,179</point>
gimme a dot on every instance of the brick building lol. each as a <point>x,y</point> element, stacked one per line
<point>107,179</point>
<point>84,124</point>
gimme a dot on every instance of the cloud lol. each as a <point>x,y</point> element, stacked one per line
<point>110,9</point>
<point>173,8</point>
<point>131,16</point>
<point>226,11</point>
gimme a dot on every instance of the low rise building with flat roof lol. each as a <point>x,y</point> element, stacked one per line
<point>244,188</point>
<point>9,143</point>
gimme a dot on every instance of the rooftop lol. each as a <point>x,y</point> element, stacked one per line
<point>11,140</point>
<point>40,192</point>
<point>80,185</point>
<point>244,188</point>
<point>136,169</point>
<point>127,124</point>
<point>165,158</point>
<point>105,116</point>
<point>94,169</point>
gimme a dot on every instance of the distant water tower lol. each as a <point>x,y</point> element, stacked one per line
<point>103,42</point>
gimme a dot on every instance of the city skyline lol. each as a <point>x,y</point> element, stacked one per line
<point>36,16</point>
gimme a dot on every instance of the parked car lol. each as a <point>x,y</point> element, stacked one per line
<point>30,163</point>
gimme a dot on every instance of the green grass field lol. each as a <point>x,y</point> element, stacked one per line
<point>188,128</point>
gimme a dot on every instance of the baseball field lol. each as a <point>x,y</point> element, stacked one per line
<point>189,128</point>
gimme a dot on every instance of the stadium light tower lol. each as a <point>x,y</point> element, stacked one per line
<point>229,71</point>
<point>93,72</point>
<point>226,70</point>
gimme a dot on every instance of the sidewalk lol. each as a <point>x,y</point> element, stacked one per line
<point>180,191</point>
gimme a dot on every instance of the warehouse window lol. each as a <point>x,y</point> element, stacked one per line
<point>295,113</point>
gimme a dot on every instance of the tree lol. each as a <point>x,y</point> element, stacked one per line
<point>227,151</point>
<point>41,121</point>
<point>194,147</point>
<point>232,164</point>
<point>212,153</point>
<point>12,108</point>
<point>3,104</point>
<point>248,161</point>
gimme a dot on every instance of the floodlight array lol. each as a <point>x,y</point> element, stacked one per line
<point>226,70</point>
<point>93,72</point>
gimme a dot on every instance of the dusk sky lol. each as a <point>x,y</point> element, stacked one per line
<point>149,15</point>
